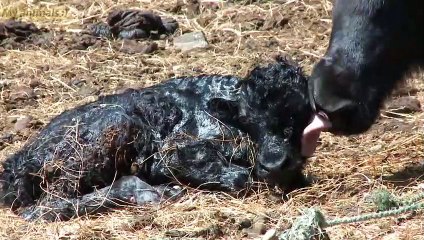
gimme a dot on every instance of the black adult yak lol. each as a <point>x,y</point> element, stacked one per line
<point>373,44</point>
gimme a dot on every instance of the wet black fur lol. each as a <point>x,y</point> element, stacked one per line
<point>211,131</point>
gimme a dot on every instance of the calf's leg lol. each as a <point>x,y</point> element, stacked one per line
<point>128,190</point>
<point>201,164</point>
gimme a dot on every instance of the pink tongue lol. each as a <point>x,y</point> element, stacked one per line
<point>311,134</point>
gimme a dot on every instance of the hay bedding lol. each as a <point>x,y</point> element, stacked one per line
<point>63,64</point>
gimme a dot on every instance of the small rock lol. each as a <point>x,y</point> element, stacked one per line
<point>392,236</point>
<point>136,222</point>
<point>10,105</point>
<point>22,93</point>
<point>405,91</point>
<point>83,42</point>
<point>190,208</point>
<point>193,8</point>
<point>258,228</point>
<point>376,148</point>
<point>33,83</point>
<point>23,123</point>
<point>36,124</point>
<point>249,22</point>
<point>245,223</point>
<point>4,83</point>
<point>25,134</point>
<point>213,5</point>
<point>76,82</point>
<point>189,41</point>
<point>122,90</point>
<point>270,235</point>
<point>392,125</point>
<point>206,19</point>
<point>134,168</point>
<point>175,233</point>
<point>275,22</point>
<point>5,139</point>
<point>251,44</point>
<point>86,91</point>
<point>405,105</point>
<point>275,197</point>
<point>132,46</point>
<point>177,7</point>
<point>45,68</point>
<point>272,43</point>
<point>12,119</point>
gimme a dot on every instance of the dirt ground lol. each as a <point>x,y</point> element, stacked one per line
<point>51,71</point>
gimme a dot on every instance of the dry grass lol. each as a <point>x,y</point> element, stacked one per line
<point>347,169</point>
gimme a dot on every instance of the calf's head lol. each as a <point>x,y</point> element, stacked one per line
<point>372,45</point>
<point>273,109</point>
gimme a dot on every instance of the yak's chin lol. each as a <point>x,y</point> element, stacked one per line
<point>352,121</point>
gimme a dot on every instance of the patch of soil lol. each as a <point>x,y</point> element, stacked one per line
<point>19,96</point>
<point>261,22</point>
<point>132,47</point>
<point>392,125</point>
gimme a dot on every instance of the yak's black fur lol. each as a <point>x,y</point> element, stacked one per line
<point>373,45</point>
<point>214,132</point>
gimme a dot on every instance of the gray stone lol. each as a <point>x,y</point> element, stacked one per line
<point>405,105</point>
<point>22,93</point>
<point>270,235</point>
<point>189,41</point>
<point>5,83</point>
<point>245,223</point>
<point>23,123</point>
<point>33,83</point>
<point>86,91</point>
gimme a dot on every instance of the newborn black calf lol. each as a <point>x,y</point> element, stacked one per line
<point>212,131</point>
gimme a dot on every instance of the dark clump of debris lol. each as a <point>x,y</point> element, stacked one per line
<point>17,29</point>
<point>121,24</point>
<point>215,132</point>
<point>133,24</point>
<point>14,33</point>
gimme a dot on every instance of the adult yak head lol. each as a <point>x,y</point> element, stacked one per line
<point>373,44</point>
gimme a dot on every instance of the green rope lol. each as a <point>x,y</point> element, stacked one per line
<point>367,217</point>
<point>384,200</point>
<point>312,223</point>
<point>414,199</point>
